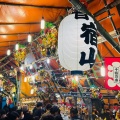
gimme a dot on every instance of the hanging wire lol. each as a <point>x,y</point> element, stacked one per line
<point>14,50</point>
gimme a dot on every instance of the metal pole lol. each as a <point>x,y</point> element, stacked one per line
<point>80,7</point>
<point>18,86</point>
<point>57,88</point>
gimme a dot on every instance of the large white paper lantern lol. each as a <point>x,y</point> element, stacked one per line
<point>77,42</point>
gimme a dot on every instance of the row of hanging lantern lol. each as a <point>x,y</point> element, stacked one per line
<point>29,39</point>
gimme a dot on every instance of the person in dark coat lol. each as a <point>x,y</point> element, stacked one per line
<point>13,116</point>
<point>2,114</point>
<point>35,108</point>
<point>58,117</point>
<point>74,114</point>
<point>27,114</point>
<point>39,111</point>
<point>55,111</point>
<point>48,117</point>
<point>48,107</point>
<point>20,112</point>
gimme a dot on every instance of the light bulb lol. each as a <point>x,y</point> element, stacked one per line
<point>29,38</point>
<point>48,60</point>
<point>33,79</point>
<point>22,68</point>
<point>31,66</point>
<point>32,91</point>
<point>102,70</point>
<point>76,78</point>
<point>25,79</point>
<point>42,23</point>
<point>16,47</point>
<point>1,89</point>
<point>8,52</point>
<point>13,95</point>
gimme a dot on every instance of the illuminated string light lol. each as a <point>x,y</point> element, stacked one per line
<point>8,52</point>
<point>76,78</point>
<point>22,68</point>
<point>16,47</point>
<point>48,60</point>
<point>102,71</point>
<point>29,38</point>
<point>25,79</point>
<point>33,78</point>
<point>13,95</point>
<point>31,66</point>
<point>42,23</point>
<point>32,91</point>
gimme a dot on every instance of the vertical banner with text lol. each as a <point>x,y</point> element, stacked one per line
<point>112,79</point>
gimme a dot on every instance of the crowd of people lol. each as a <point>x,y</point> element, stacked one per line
<point>49,112</point>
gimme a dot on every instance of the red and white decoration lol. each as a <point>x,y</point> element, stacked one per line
<point>112,66</point>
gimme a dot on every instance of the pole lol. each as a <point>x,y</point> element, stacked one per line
<point>18,76</point>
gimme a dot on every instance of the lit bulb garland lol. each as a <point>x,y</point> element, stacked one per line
<point>48,45</point>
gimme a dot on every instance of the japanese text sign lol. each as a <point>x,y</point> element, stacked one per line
<point>112,79</point>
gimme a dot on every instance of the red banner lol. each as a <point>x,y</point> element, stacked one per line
<point>112,79</point>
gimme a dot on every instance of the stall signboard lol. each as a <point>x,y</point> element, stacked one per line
<point>112,78</point>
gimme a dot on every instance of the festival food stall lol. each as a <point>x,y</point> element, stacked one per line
<point>61,62</point>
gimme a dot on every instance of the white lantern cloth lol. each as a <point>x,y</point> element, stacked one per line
<point>77,42</point>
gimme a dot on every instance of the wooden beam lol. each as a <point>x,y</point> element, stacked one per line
<point>34,6</point>
<point>19,33</point>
